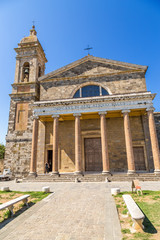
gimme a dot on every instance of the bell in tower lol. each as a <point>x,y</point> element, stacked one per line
<point>30,58</point>
<point>25,77</point>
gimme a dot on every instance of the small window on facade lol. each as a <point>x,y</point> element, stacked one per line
<point>90,91</point>
<point>39,71</point>
<point>25,77</point>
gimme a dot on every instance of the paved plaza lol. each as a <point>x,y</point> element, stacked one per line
<point>74,211</point>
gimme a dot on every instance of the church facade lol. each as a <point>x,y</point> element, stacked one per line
<point>93,115</point>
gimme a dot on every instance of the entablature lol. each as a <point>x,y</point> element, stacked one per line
<point>94,104</point>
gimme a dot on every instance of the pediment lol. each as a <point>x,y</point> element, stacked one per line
<point>99,70</point>
<point>91,66</point>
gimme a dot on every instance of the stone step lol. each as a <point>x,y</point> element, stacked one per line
<point>93,177</point>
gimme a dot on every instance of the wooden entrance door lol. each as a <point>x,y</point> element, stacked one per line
<point>93,154</point>
<point>139,158</point>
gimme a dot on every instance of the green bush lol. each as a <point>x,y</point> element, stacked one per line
<point>2,151</point>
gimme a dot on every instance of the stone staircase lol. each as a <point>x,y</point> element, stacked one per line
<point>97,177</point>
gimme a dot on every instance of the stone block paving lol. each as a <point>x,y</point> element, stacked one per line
<point>75,211</point>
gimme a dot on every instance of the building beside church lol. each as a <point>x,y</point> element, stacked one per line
<point>93,115</point>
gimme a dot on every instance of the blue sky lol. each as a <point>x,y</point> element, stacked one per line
<point>124,30</point>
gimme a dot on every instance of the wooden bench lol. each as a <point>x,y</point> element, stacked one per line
<point>136,185</point>
<point>10,204</point>
<point>135,212</point>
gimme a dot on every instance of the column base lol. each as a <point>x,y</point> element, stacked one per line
<point>55,173</point>
<point>32,174</point>
<point>107,173</point>
<point>157,172</point>
<point>78,173</point>
<point>130,172</point>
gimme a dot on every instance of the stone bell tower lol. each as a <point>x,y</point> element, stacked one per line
<point>30,65</point>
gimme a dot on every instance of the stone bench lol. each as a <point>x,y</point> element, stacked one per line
<point>10,204</point>
<point>115,191</point>
<point>135,212</point>
<point>46,189</point>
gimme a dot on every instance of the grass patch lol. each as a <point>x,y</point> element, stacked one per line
<point>7,214</point>
<point>149,203</point>
<point>19,207</point>
<point>125,211</point>
<point>125,230</point>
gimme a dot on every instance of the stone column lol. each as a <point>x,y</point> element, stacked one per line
<point>55,145</point>
<point>105,156</point>
<point>78,147</point>
<point>154,141</point>
<point>128,140</point>
<point>33,163</point>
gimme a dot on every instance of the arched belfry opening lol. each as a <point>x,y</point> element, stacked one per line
<point>25,74</point>
<point>39,71</point>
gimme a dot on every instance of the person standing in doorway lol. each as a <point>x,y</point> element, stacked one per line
<point>46,168</point>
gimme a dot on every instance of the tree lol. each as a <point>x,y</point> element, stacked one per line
<point>2,151</point>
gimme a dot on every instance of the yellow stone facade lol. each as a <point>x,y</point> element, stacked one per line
<point>113,131</point>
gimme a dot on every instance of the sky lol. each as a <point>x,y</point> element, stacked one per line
<point>123,30</point>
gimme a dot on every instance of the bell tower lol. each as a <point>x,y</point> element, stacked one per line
<point>30,65</point>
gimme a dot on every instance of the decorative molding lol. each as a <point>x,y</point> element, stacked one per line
<point>76,114</point>
<point>55,115</point>
<point>130,66</point>
<point>126,111</point>
<point>102,113</point>
<point>50,79</point>
<point>94,104</point>
<point>92,107</point>
<point>146,96</point>
<point>34,117</point>
<point>150,109</point>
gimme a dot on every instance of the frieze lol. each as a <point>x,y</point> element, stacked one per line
<point>111,98</point>
<point>92,107</point>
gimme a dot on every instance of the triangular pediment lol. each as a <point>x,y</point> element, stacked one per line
<point>92,66</point>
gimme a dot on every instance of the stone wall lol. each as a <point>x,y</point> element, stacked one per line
<point>116,84</point>
<point>1,165</point>
<point>17,157</point>
<point>157,122</point>
<point>90,128</point>
<point>18,142</point>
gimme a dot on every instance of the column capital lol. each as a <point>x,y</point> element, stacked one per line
<point>55,116</point>
<point>126,111</point>
<point>102,113</point>
<point>34,117</point>
<point>77,114</point>
<point>150,109</point>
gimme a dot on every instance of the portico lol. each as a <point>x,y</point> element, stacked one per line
<point>73,121</point>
